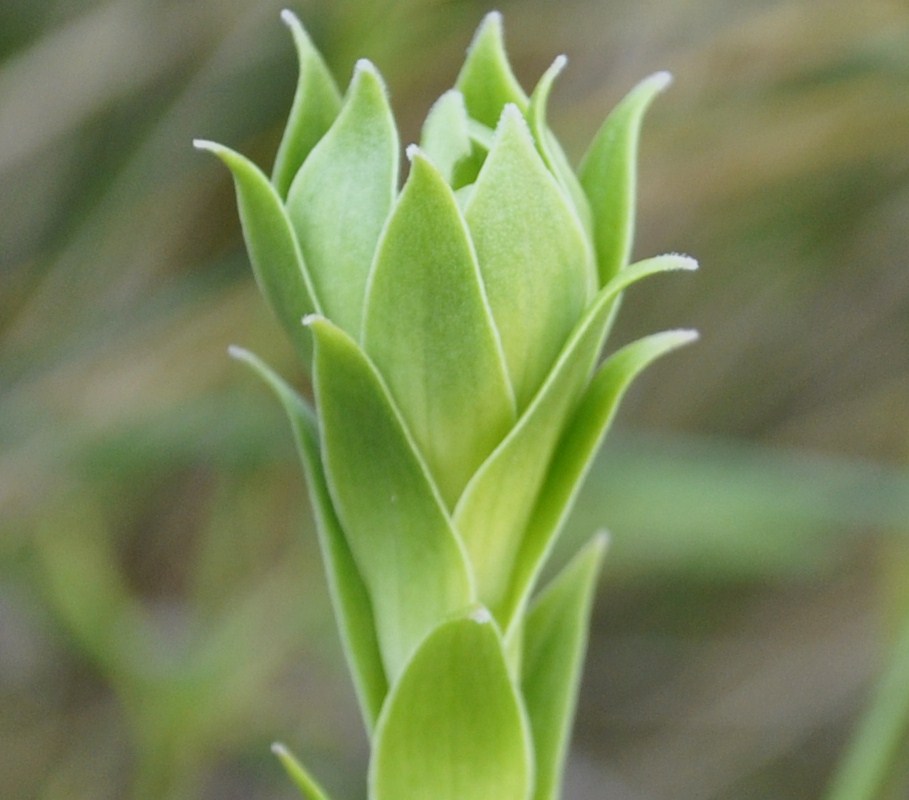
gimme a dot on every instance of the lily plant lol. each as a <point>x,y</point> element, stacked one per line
<point>452,330</point>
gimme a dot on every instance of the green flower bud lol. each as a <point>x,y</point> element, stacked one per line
<point>452,333</point>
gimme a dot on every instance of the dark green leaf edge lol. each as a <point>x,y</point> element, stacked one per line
<point>350,599</point>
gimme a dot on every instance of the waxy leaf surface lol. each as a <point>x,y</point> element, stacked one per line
<point>315,107</point>
<point>276,258</point>
<point>341,196</point>
<point>392,515</point>
<point>454,727</point>
<point>532,252</point>
<point>350,599</point>
<point>429,331</point>
<point>555,640</point>
<point>609,173</point>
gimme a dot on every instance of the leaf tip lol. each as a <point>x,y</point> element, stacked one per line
<point>481,615</point>
<point>291,20</point>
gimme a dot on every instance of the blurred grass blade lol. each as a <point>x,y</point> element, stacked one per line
<point>608,175</point>
<point>343,193</point>
<point>430,333</point>
<point>395,521</point>
<point>486,79</point>
<point>555,639</point>
<point>869,764</point>
<point>349,596</point>
<point>454,727</point>
<point>575,453</point>
<point>307,785</point>
<point>315,107</point>
<point>273,249</point>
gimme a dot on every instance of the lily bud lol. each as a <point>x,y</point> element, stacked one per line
<point>452,332</point>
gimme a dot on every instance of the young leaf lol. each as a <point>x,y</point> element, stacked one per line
<point>315,107</point>
<point>493,512</point>
<point>350,600</point>
<point>454,727</point>
<point>532,252</point>
<point>608,175</point>
<point>555,639</point>
<point>341,196</point>
<point>393,517</point>
<point>445,137</point>
<point>429,331</point>
<point>273,249</point>
<point>575,452</point>
<point>298,774</point>
<point>486,79</point>
<point>551,150</point>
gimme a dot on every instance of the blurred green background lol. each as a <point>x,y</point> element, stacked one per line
<point>163,616</point>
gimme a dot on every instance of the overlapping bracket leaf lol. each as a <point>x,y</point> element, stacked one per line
<point>493,513</point>
<point>393,517</point>
<point>454,726</point>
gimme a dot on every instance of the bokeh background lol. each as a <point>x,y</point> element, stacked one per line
<point>163,617</point>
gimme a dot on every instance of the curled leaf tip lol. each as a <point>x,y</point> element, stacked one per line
<point>276,747</point>
<point>412,151</point>
<point>481,615</point>
<point>237,352</point>
<point>661,80</point>
<point>206,144</point>
<point>558,63</point>
<point>290,20</point>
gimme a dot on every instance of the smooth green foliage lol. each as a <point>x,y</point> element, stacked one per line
<point>608,175</point>
<point>446,138</point>
<point>486,79</point>
<point>315,107</point>
<point>458,323</point>
<point>340,198</point>
<point>350,599</point>
<point>273,249</point>
<point>454,726</point>
<point>554,640</point>
<point>429,331</point>
<point>532,252</point>
<point>497,505</point>
<point>394,519</point>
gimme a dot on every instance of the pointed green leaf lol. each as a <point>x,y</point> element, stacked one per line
<point>555,640</point>
<point>429,331</point>
<point>533,254</point>
<point>454,727</point>
<point>575,452</point>
<point>350,600</point>
<point>315,107</point>
<point>608,175</point>
<point>497,504</point>
<point>273,249</point>
<point>395,521</point>
<point>486,79</point>
<point>341,197</point>
<point>307,785</point>
<point>551,150</point>
<point>446,137</point>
